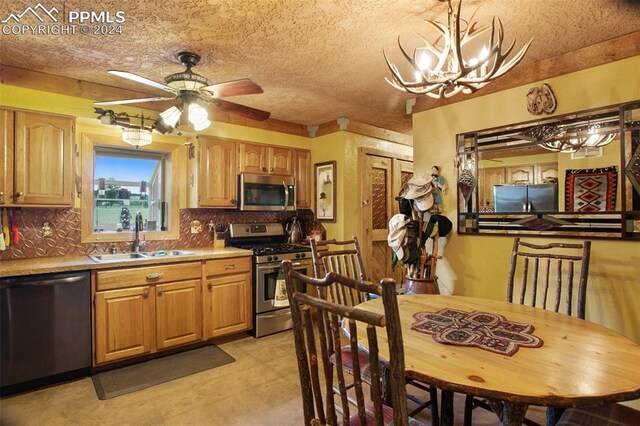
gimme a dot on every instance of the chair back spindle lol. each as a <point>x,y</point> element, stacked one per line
<point>547,275</point>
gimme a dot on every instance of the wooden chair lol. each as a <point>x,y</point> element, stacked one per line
<point>544,275</point>
<point>317,378</point>
<point>345,258</point>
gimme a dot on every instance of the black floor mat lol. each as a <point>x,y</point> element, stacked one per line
<point>128,379</point>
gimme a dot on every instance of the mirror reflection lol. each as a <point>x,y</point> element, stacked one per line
<point>567,175</point>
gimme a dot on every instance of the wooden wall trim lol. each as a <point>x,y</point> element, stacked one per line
<point>84,89</point>
<point>365,130</point>
<point>588,57</point>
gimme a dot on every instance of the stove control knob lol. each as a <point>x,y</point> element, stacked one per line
<point>275,257</point>
<point>269,258</point>
<point>303,254</point>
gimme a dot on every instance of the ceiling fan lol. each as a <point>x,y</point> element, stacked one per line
<point>191,89</point>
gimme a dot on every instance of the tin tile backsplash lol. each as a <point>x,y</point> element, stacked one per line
<point>56,231</point>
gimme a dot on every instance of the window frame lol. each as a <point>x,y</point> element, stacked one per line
<point>171,194</point>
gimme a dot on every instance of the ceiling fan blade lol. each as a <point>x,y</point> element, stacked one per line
<point>133,101</point>
<point>143,80</point>
<point>243,86</point>
<point>244,111</point>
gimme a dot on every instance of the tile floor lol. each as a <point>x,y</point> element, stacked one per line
<point>260,388</point>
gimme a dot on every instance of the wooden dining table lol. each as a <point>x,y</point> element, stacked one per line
<point>579,363</point>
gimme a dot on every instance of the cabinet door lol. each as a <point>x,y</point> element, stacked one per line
<point>227,305</point>
<point>125,323</point>
<point>43,159</point>
<point>520,175</point>
<point>217,173</point>
<point>280,161</point>
<point>546,171</point>
<point>178,313</point>
<point>489,178</point>
<point>6,159</point>
<point>253,158</point>
<point>303,179</point>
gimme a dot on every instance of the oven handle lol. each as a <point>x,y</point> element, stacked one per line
<point>286,196</point>
<point>286,312</point>
<point>275,268</point>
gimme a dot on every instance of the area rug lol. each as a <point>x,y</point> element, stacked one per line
<point>591,190</point>
<point>132,378</point>
<point>487,331</point>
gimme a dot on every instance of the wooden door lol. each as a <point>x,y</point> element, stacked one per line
<point>253,158</point>
<point>43,159</point>
<point>6,159</point>
<point>280,161</point>
<point>217,184</point>
<point>178,313</point>
<point>488,179</point>
<point>125,323</point>
<point>303,178</point>
<point>227,305</point>
<point>377,209</point>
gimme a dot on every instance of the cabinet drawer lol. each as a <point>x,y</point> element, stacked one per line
<point>120,278</point>
<point>231,265</point>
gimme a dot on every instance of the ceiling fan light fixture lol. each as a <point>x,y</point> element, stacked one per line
<point>448,66</point>
<point>136,137</point>
<point>171,116</point>
<point>198,117</point>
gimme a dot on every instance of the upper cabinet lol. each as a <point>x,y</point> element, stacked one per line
<point>302,173</point>
<point>37,164</point>
<point>265,159</point>
<point>213,173</point>
<point>576,175</point>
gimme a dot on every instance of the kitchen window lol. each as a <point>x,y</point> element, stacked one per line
<point>126,182</point>
<point>119,181</point>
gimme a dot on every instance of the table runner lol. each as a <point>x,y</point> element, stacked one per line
<point>485,330</point>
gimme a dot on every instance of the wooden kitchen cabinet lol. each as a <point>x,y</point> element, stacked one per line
<point>125,323</point>
<point>302,173</point>
<point>265,159</point>
<point>178,313</point>
<point>37,164</point>
<point>227,296</point>
<point>141,310</point>
<point>213,173</point>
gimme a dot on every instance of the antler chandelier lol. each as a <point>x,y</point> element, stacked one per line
<point>447,67</point>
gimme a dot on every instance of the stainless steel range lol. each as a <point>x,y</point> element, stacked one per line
<point>268,243</point>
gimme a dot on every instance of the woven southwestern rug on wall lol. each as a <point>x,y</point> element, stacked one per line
<point>591,190</point>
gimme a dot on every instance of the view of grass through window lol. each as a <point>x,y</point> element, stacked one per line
<point>127,182</point>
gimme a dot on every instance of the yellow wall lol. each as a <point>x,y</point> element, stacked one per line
<point>344,147</point>
<point>481,262</point>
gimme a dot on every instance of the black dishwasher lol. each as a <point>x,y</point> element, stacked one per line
<point>45,329</point>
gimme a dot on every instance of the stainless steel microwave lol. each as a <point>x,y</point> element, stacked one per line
<point>266,193</point>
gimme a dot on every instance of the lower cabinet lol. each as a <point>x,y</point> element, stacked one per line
<point>227,296</point>
<point>145,309</point>
<point>150,314</point>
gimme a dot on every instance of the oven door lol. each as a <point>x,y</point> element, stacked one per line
<point>266,276</point>
<point>266,193</point>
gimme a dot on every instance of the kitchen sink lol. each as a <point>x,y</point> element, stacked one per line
<point>145,255</point>
<point>116,257</point>
<point>168,253</point>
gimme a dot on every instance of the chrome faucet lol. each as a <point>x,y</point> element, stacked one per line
<point>138,228</point>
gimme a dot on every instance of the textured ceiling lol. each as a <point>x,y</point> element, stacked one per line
<point>316,60</point>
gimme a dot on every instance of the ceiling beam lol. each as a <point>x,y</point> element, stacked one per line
<point>598,54</point>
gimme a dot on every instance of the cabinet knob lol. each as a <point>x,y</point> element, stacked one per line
<point>159,292</point>
<point>18,195</point>
<point>272,169</point>
<point>145,293</point>
<point>264,169</point>
<point>209,286</point>
<point>1,197</point>
<point>233,201</point>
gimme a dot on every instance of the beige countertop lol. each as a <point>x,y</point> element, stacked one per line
<point>45,265</point>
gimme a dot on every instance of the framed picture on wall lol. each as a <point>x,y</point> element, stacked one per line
<point>325,191</point>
